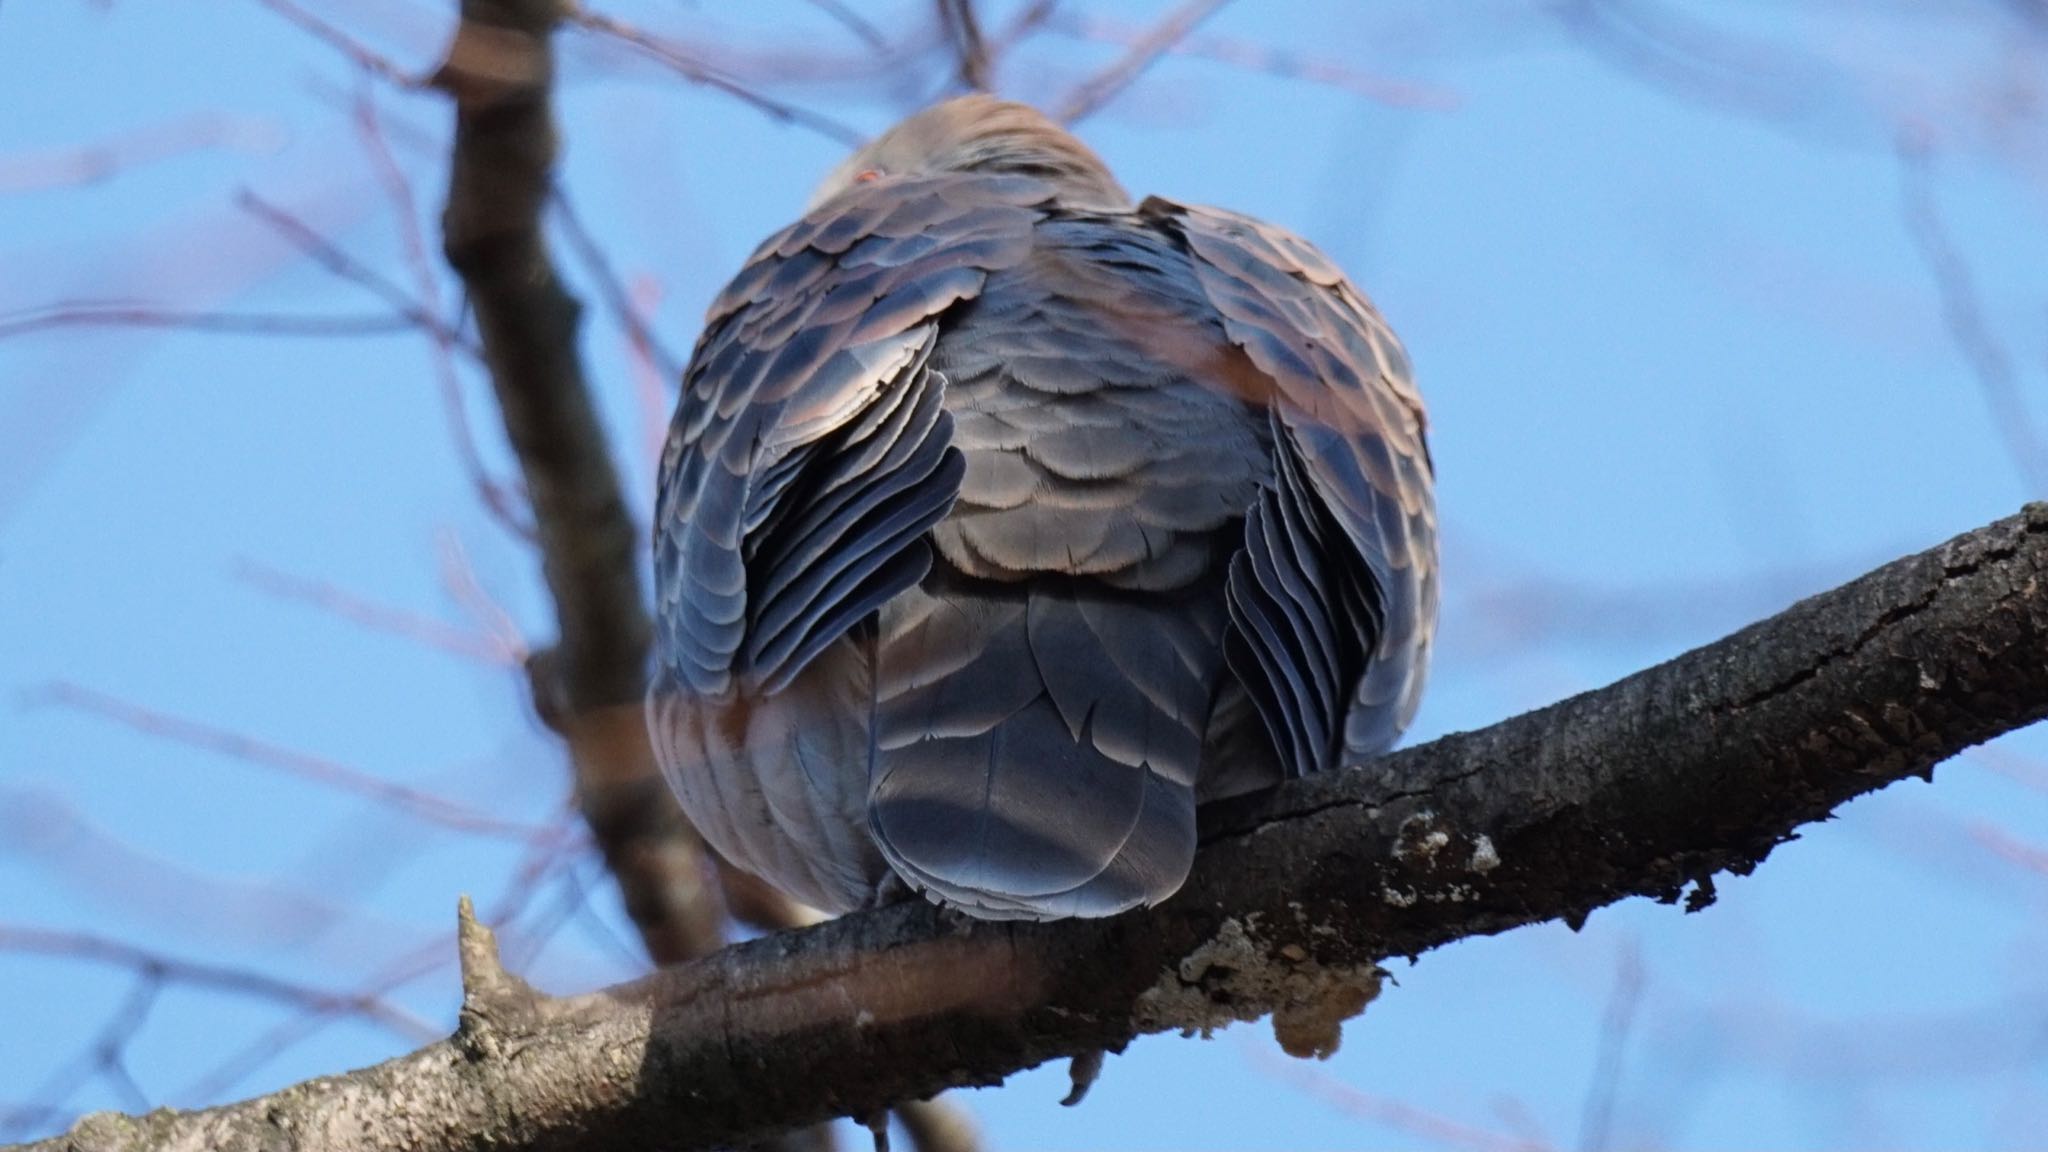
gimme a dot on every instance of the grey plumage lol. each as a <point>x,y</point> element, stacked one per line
<point>1002,519</point>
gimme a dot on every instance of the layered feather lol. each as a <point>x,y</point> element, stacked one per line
<point>991,522</point>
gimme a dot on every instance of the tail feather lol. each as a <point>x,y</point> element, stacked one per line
<point>1037,747</point>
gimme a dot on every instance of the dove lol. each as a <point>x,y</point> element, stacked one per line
<point>1003,520</point>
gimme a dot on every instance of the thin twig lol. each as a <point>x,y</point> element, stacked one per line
<point>679,59</point>
<point>303,237</point>
<point>319,770</point>
<point>459,577</point>
<point>386,618</point>
<point>1254,57</point>
<point>1692,58</point>
<point>121,314</point>
<point>1027,22</point>
<point>1418,1123</point>
<point>629,958</point>
<point>102,1057</point>
<point>95,163</point>
<point>1963,313</point>
<point>220,977</point>
<point>1596,1121</point>
<point>962,28</point>
<point>521,949</point>
<point>612,289</point>
<point>361,55</point>
<point>1090,95</point>
<point>497,498</point>
<point>2010,848</point>
<point>853,22</point>
<point>653,386</point>
<point>528,878</point>
<point>2025,771</point>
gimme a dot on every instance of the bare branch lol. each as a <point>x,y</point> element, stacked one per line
<point>302,236</point>
<point>220,977</point>
<point>1254,57</point>
<point>757,904</point>
<point>2010,848</point>
<point>1089,97</point>
<point>589,685</point>
<point>653,389</point>
<point>104,1057</point>
<point>502,504</point>
<point>853,22</point>
<point>1596,1123</point>
<point>616,297</point>
<point>361,55</point>
<point>315,769</point>
<point>95,163</point>
<point>1693,58</point>
<point>124,314</point>
<point>974,69</point>
<point>2022,770</point>
<point>685,63</point>
<point>539,860</point>
<point>1026,22</point>
<point>1422,1124</point>
<point>1963,313</point>
<point>459,578</point>
<point>348,606</point>
<point>1699,765</point>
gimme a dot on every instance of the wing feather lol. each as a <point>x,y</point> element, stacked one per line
<point>811,450</point>
<point>1333,601</point>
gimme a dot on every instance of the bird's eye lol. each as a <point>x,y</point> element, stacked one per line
<point>869,176</point>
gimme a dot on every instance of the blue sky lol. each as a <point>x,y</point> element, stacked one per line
<point>1684,362</point>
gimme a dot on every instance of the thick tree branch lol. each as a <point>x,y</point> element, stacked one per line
<point>1698,765</point>
<point>589,685</point>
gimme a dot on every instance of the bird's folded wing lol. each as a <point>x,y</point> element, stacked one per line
<point>1334,598</point>
<point>811,451</point>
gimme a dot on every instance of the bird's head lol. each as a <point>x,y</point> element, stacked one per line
<point>980,133</point>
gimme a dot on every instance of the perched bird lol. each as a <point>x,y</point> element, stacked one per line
<point>1003,519</point>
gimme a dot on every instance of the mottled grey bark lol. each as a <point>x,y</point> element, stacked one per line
<point>1641,788</point>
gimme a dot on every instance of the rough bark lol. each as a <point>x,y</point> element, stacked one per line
<point>1645,787</point>
<point>588,685</point>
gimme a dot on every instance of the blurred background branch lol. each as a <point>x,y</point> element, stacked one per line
<point>590,684</point>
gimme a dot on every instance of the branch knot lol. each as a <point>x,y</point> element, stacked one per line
<point>490,63</point>
<point>496,1005</point>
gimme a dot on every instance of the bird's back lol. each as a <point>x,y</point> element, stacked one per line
<point>1002,518</point>
<point>1044,695</point>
